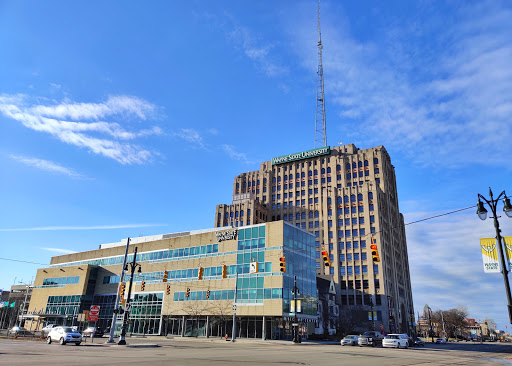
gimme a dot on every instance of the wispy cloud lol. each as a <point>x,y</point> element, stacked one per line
<point>98,227</point>
<point>256,50</point>
<point>423,87</point>
<point>446,264</point>
<point>58,250</point>
<point>190,135</point>
<point>79,123</point>
<point>235,155</point>
<point>48,166</point>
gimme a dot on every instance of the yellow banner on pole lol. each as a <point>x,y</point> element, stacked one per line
<point>490,255</point>
<point>508,249</point>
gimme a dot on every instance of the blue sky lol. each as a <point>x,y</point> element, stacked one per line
<point>107,109</point>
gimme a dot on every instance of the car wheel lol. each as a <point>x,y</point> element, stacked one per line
<point>77,344</point>
<point>398,345</point>
<point>407,345</point>
<point>62,341</point>
<point>49,340</point>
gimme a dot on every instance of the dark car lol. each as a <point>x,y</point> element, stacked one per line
<point>19,331</point>
<point>93,332</point>
<point>419,342</point>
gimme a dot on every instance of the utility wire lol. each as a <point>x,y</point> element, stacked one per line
<point>447,213</point>
<point>16,260</point>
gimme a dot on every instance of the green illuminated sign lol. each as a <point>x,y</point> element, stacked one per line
<point>302,155</point>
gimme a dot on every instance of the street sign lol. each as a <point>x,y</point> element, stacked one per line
<point>94,312</point>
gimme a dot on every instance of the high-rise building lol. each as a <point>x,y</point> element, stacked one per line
<point>347,197</point>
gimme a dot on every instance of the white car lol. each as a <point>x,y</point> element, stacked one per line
<point>350,340</point>
<point>396,341</point>
<point>64,335</point>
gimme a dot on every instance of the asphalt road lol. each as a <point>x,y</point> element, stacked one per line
<point>159,351</point>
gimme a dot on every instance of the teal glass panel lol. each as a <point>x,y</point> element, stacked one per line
<point>268,293</point>
<point>231,294</point>
<point>247,257</point>
<point>247,233</point>
<point>261,243</point>
<point>259,294</point>
<point>252,294</point>
<point>215,248</point>
<point>246,282</point>
<point>239,258</point>
<point>247,244</point>
<point>261,256</point>
<point>268,266</point>
<point>260,282</point>
<point>255,232</point>
<point>241,234</point>
<point>253,282</point>
<point>262,231</point>
<point>254,243</point>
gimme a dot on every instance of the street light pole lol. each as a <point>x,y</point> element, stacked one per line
<point>118,298</point>
<point>133,266</point>
<point>371,312</point>
<point>482,213</point>
<point>296,324</point>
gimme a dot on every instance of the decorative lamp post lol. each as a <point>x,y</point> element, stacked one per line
<point>482,214</point>
<point>133,266</point>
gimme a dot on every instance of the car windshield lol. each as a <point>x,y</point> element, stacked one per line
<point>368,334</point>
<point>392,336</point>
<point>350,337</point>
<point>67,330</point>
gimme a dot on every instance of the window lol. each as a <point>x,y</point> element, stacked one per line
<point>356,256</point>
<point>375,268</point>
<point>376,170</point>
<point>377,283</point>
<point>342,271</point>
<point>310,201</point>
<point>303,216</point>
<point>350,271</point>
<point>353,209</point>
<point>349,256</point>
<point>357,271</point>
<point>363,256</point>
<point>317,223</point>
<point>363,243</point>
<point>297,216</point>
<point>361,220</point>
<point>340,233</point>
<point>371,206</point>
<point>370,195</point>
<point>359,197</point>
<point>278,196</point>
<point>362,232</point>
<point>354,220</point>
<point>349,176</point>
<point>346,210</point>
<point>317,214</point>
<point>342,257</point>
<point>375,161</point>
<point>341,245</point>
<point>347,233</point>
<point>356,244</point>
<point>349,245</point>
<point>311,224</point>
<point>279,205</point>
<point>372,219</point>
<point>377,180</point>
<point>317,234</point>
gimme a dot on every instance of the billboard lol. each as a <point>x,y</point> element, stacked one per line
<point>490,255</point>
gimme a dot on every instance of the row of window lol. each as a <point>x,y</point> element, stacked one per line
<point>349,270</point>
<point>71,299</point>
<point>142,257</point>
<point>349,257</point>
<point>249,294</point>
<point>61,281</point>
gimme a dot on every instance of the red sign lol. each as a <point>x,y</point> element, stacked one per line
<point>93,313</point>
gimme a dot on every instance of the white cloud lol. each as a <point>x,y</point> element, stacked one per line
<point>48,166</point>
<point>190,135</point>
<point>235,155</point>
<point>243,38</point>
<point>446,264</point>
<point>58,250</point>
<point>98,227</point>
<point>85,123</point>
<point>447,91</point>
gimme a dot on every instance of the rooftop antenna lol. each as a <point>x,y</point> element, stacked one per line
<point>320,130</point>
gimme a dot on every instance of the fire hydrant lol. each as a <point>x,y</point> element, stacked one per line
<point>226,336</point>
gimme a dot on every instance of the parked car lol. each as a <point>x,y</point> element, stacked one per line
<point>396,341</point>
<point>46,329</point>
<point>64,335</point>
<point>370,338</point>
<point>440,341</point>
<point>419,342</point>
<point>93,332</point>
<point>349,340</point>
<point>19,331</point>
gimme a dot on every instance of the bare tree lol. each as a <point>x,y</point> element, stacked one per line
<point>194,309</point>
<point>222,311</point>
<point>352,319</point>
<point>454,320</point>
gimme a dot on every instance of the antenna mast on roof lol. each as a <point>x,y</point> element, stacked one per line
<point>320,130</point>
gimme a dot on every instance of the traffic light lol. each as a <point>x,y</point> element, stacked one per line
<point>327,260</point>
<point>375,252</point>
<point>282,264</point>
<point>166,276</point>
<point>224,271</point>
<point>143,285</point>
<point>208,293</point>
<point>200,273</point>
<point>122,287</point>
<point>187,294</point>
<point>168,290</point>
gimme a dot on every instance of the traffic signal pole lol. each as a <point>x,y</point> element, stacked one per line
<point>118,298</point>
<point>296,326</point>
<point>126,314</point>
<point>233,331</point>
